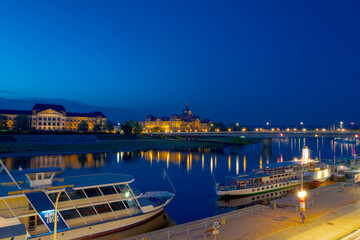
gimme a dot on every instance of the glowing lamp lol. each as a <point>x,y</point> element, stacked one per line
<point>302,194</point>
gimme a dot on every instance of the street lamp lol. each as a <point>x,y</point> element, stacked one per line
<point>302,193</point>
<point>68,190</point>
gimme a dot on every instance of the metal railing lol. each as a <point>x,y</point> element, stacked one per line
<point>200,228</point>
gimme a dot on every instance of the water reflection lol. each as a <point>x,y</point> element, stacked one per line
<point>68,161</point>
<point>190,170</point>
<point>264,199</point>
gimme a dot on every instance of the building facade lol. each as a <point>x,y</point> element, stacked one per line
<point>187,121</point>
<point>45,117</point>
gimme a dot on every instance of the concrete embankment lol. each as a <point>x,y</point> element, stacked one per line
<point>327,205</point>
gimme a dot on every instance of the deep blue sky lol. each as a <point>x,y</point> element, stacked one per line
<point>235,61</point>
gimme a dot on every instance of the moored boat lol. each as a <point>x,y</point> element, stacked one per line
<point>96,204</point>
<point>269,178</point>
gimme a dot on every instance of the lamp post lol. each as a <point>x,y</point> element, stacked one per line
<point>67,189</point>
<point>302,193</point>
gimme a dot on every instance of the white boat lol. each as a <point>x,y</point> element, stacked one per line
<point>283,177</point>
<point>98,204</point>
<point>317,175</point>
<point>270,177</point>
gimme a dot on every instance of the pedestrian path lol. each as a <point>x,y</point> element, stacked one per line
<point>333,225</point>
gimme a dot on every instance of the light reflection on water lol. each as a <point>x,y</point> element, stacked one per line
<point>190,170</point>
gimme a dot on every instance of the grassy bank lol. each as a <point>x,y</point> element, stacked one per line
<point>127,144</point>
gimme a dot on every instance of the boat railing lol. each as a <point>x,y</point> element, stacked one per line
<point>200,229</point>
<point>236,186</point>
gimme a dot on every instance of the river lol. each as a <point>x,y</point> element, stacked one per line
<point>192,172</point>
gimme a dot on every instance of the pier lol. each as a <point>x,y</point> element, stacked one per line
<point>329,211</point>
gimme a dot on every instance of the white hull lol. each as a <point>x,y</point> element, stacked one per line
<point>101,228</point>
<point>258,190</point>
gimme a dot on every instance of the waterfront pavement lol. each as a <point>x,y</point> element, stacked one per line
<point>334,214</point>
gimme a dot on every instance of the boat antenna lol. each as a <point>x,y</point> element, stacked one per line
<point>3,167</point>
<point>214,177</point>
<point>166,175</point>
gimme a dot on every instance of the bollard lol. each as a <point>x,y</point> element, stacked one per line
<point>223,221</point>
<point>144,238</point>
<point>274,205</point>
<point>342,186</point>
<point>317,194</point>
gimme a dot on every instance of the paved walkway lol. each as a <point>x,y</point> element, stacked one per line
<point>333,225</point>
<point>336,212</point>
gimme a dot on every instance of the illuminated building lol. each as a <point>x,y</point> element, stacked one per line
<point>47,117</point>
<point>187,121</point>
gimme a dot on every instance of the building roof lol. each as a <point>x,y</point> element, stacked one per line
<point>15,112</point>
<point>91,114</point>
<point>165,118</point>
<point>206,120</point>
<point>42,107</point>
<point>150,118</point>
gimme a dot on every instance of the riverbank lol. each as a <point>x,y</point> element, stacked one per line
<point>330,207</point>
<point>53,144</point>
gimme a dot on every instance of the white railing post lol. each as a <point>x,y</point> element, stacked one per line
<point>168,235</point>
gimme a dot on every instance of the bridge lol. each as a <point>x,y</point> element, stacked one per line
<point>265,134</point>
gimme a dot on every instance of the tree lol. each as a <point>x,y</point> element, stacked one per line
<point>131,127</point>
<point>217,126</point>
<point>109,126</point>
<point>21,123</point>
<point>83,126</point>
<point>3,122</point>
<point>97,128</point>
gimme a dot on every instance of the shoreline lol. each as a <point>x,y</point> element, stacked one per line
<point>14,149</point>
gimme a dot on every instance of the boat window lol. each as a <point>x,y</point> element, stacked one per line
<point>20,205</point>
<point>72,218</point>
<point>102,208</point>
<point>78,194</point>
<point>92,192</point>
<point>276,185</point>
<point>108,190</point>
<point>258,189</point>
<point>122,188</point>
<point>262,188</point>
<point>131,203</point>
<point>267,187</point>
<point>117,206</point>
<point>62,197</point>
<point>4,210</point>
<point>272,186</point>
<point>86,211</point>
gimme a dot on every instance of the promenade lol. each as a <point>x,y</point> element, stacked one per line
<point>332,213</point>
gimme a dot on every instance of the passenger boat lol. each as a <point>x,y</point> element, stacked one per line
<point>97,204</point>
<point>270,178</point>
<point>318,174</point>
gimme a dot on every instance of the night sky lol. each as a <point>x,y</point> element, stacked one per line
<point>232,61</point>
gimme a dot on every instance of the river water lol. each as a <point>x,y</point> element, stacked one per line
<point>192,172</point>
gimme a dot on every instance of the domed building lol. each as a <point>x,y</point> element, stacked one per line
<point>187,121</point>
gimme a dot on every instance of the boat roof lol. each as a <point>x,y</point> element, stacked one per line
<point>82,181</point>
<point>36,170</point>
<point>95,180</point>
<point>285,164</point>
<point>249,176</point>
